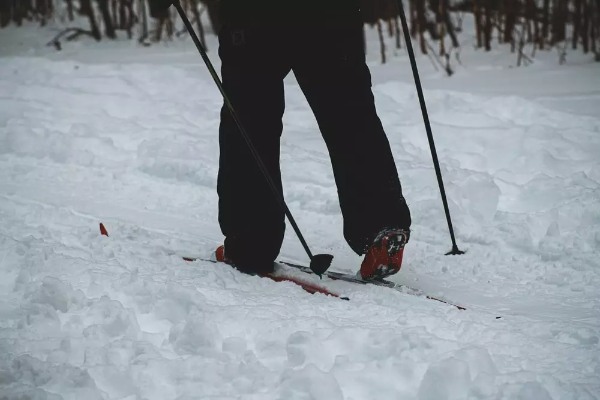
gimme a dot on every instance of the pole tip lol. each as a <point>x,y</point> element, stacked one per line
<point>455,251</point>
<point>320,263</point>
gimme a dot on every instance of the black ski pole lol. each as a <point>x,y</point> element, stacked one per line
<point>319,263</point>
<point>436,162</point>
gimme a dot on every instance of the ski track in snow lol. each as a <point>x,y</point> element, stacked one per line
<point>135,146</point>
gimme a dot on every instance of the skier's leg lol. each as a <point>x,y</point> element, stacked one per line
<point>330,66</point>
<point>250,217</point>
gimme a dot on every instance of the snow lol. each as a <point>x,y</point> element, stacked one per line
<point>128,136</point>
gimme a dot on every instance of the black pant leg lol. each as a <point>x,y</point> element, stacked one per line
<point>330,67</point>
<point>249,215</point>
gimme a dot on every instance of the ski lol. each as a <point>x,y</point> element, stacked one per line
<point>340,276</point>
<point>277,276</point>
<point>280,275</point>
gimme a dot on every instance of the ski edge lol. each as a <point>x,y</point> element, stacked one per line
<point>378,282</point>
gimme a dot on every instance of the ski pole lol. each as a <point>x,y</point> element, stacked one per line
<point>319,263</point>
<point>436,162</point>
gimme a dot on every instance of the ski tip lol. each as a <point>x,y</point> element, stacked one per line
<point>103,230</point>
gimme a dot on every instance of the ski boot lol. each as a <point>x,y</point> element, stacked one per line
<point>254,267</point>
<point>384,256</point>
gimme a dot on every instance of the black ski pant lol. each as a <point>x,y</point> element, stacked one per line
<point>328,61</point>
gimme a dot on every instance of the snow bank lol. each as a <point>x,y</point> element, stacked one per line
<point>123,317</point>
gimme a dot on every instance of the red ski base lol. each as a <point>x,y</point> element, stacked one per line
<point>308,287</point>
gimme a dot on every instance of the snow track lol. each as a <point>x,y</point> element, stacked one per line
<point>135,146</point>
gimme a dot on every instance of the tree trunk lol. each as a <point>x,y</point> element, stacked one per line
<point>87,6</point>
<point>108,24</point>
<point>381,41</point>
<point>114,11</point>
<point>595,20</point>
<point>26,9</point>
<point>18,12</point>
<point>127,17</point>
<point>559,21</point>
<point>122,12</point>
<point>441,25</point>
<point>450,29</point>
<point>577,28</point>
<point>398,33</point>
<point>70,10</point>
<point>46,10</point>
<point>4,13</point>
<point>478,29</point>
<point>545,23</point>
<point>585,28</point>
<point>213,14</point>
<point>414,21</point>
<point>488,26</point>
<point>194,7</point>
<point>532,16</point>
<point>510,19</point>
<point>420,9</point>
<point>144,16</point>
<point>521,46</point>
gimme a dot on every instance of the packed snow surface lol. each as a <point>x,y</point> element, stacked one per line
<point>128,136</point>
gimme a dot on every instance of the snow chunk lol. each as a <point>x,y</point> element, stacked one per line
<point>194,335</point>
<point>533,390</point>
<point>19,391</point>
<point>110,320</point>
<point>299,344</point>
<point>477,196</point>
<point>479,361</point>
<point>234,345</point>
<point>72,382</point>
<point>57,294</point>
<point>470,371</point>
<point>446,380</point>
<point>183,161</point>
<point>40,320</point>
<point>309,383</point>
